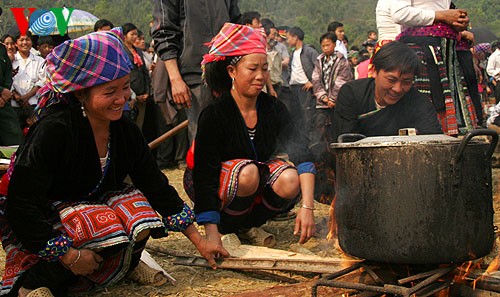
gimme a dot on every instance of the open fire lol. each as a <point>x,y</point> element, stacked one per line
<point>378,279</point>
<point>369,279</point>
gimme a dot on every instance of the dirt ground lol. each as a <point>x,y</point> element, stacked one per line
<point>199,281</point>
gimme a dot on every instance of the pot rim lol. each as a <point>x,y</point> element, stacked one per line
<point>400,141</point>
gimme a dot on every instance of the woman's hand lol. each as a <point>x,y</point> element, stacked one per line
<point>304,223</point>
<point>81,262</point>
<point>211,247</point>
<point>211,250</point>
<point>212,234</point>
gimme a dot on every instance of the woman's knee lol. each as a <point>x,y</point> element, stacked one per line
<point>248,180</point>
<point>287,185</point>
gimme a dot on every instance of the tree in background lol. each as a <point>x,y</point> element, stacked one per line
<point>312,16</point>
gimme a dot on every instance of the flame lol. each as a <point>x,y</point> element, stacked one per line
<point>494,265</point>
<point>465,272</point>
<point>332,221</point>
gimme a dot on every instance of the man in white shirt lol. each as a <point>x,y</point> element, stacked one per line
<point>338,29</point>
<point>30,75</point>
<point>493,68</point>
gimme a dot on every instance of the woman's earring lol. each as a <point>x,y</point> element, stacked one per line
<point>232,82</point>
<point>83,110</point>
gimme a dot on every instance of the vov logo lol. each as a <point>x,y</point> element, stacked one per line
<point>46,21</point>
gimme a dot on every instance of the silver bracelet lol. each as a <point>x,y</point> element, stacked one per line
<point>77,258</point>
<point>308,207</point>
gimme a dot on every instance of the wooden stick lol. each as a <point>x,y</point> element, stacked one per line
<point>155,143</point>
<point>269,275</point>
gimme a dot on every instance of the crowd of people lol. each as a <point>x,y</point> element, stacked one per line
<point>262,107</point>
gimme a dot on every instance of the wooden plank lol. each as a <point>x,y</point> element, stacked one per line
<point>257,252</point>
<point>296,265</point>
<point>251,251</point>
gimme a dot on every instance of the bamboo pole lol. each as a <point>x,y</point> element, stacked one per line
<point>155,143</point>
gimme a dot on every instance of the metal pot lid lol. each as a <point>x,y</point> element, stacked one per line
<point>385,141</point>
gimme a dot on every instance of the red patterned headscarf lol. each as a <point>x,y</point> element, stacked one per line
<point>235,40</point>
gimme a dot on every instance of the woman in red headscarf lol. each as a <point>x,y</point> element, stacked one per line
<point>241,177</point>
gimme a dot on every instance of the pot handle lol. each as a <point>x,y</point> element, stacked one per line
<point>350,137</point>
<point>474,133</point>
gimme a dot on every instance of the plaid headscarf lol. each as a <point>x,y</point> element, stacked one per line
<point>483,48</point>
<point>235,40</point>
<point>90,60</point>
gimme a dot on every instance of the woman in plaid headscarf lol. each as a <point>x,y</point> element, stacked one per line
<point>68,222</point>
<point>237,181</point>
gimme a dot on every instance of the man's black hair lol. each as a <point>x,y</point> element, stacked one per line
<point>396,56</point>
<point>296,31</point>
<point>102,23</point>
<point>333,26</point>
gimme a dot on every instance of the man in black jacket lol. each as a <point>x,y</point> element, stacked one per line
<point>301,68</point>
<point>180,31</point>
<point>382,105</point>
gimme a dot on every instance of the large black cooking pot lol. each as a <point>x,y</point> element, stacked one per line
<point>415,199</point>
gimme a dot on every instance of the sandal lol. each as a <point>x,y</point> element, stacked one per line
<point>258,236</point>
<point>40,292</point>
<point>145,275</point>
<point>230,240</point>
